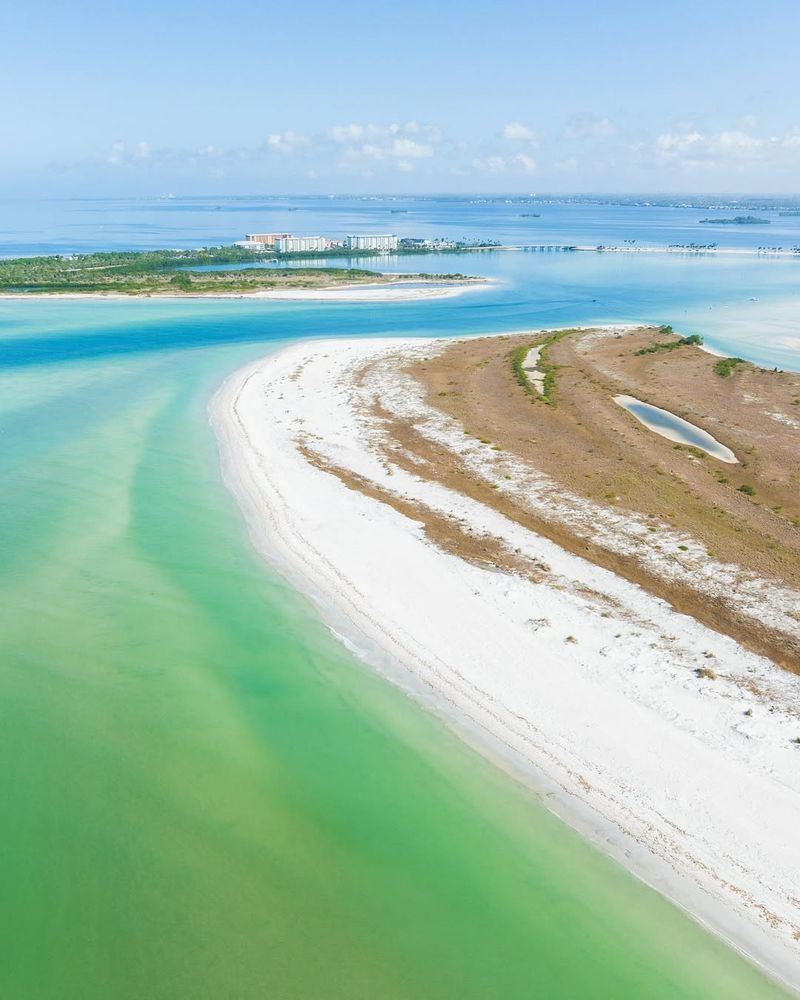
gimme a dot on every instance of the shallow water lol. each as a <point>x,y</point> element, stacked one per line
<point>203,794</point>
<point>675,428</point>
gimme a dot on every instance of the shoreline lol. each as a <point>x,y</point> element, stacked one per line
<point>375,291</point>
<point>694,251</point>
<point>611,248</point>
<point>277,508</point>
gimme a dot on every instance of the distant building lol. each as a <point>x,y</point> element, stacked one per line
<point>267,238</point>
<point>416,243</point>
<point>370,242</point>
<point>300,244</point>
<point>261,241</point>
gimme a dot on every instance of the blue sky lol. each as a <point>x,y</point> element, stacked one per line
<point>144,98</point>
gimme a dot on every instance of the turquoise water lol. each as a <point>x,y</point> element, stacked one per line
<point>203,794</point>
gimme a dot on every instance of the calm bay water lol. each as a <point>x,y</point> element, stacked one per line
<point>203,794</point>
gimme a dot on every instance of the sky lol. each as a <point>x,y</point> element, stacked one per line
<point>418,96</point>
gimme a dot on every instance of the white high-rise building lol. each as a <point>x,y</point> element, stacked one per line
<point>369,242</point>
<point>300,244</point>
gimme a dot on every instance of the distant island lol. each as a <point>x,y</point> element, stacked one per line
<point>529,215</point>
<point>737,220</point>
<point>206,271</point>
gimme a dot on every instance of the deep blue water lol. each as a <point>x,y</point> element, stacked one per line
<point>81,225</point>
<point>745,305</point>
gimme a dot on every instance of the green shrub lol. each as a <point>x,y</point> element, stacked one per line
<point>547,368</point>
<point>725,366</point>
<point>694,339</point>
<point>518,356</point>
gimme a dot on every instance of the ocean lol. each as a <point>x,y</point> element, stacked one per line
<point>204,794</point>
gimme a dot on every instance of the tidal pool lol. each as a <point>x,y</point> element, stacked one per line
<point>675,428</point>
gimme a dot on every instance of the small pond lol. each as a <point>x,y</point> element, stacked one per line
<point>675,428</point>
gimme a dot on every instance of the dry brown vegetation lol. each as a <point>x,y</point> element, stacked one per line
<point>584,441</point>
<point>596,449</point>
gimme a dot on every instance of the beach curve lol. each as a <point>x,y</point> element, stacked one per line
<point>536,674</point>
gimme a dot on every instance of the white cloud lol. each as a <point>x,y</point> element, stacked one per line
<point>410,148</point>
<point>677,142</point>
<point>431,132</point>
<point>518,132</point>
<point>399,144</point>
<point>116,153</point>
<point>120,153</point>
<point>372,133</point>
<point>346,133</point>
<point>694,149</point>
<point>392,146</point>
<point>286,142</point>
<point>501,164</point>
<point>526,162</point>
<point>584,147</point>
<point>491,165</point>
<point>582,127</point>
<point>735,142</point>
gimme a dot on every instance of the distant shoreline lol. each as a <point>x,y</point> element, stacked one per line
<point>696,251</point>
<point>207,272</point>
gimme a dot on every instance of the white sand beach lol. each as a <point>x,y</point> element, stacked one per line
<point>379,292</point>
<point>592,691</point>
<point>392,291</point>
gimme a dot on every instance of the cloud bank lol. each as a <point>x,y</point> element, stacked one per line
<point>582,149</point>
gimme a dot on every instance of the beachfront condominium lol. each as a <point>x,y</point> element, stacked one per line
<point>300,244</point>
<point>261,241</point>
<point>370,242</point>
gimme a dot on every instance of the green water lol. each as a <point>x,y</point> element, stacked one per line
<point>204,796</point>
